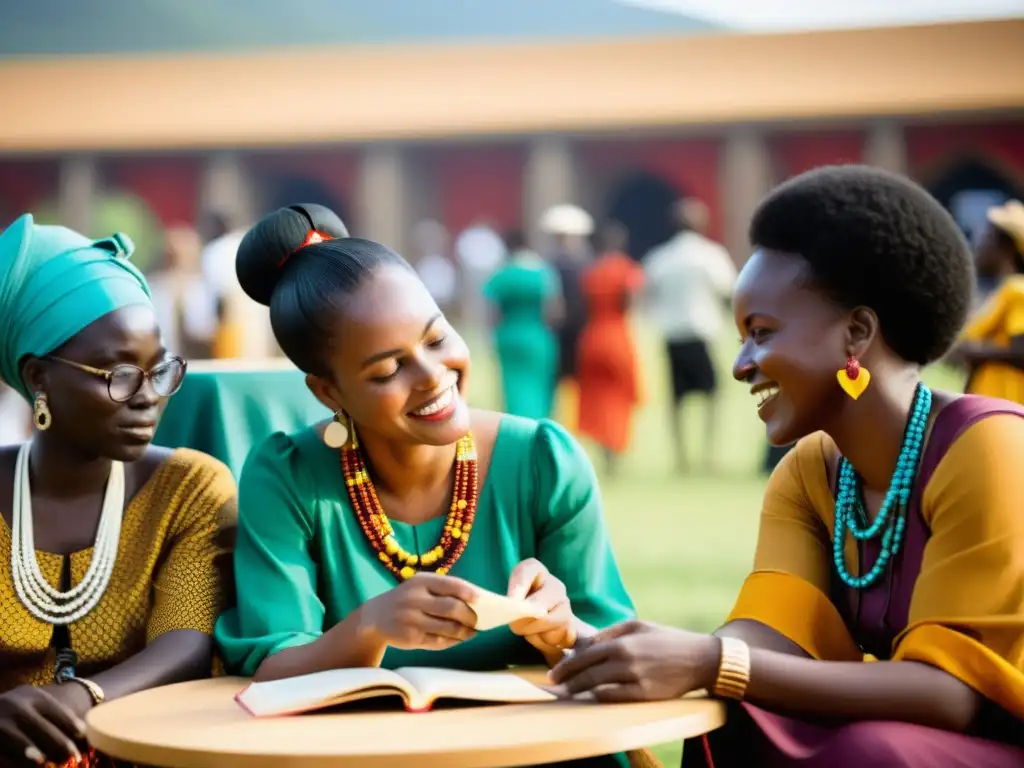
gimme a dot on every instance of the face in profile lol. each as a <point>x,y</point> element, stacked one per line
<point>399,369</point>
<point>794,340</point>
<point>85,415</point>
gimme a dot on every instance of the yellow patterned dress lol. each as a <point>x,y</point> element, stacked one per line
<point>172,572</point>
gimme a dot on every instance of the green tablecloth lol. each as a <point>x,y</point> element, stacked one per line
<point>227,413</point>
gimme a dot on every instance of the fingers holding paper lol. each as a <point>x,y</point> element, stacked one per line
<point>426,612</point>
<point>556,628</point>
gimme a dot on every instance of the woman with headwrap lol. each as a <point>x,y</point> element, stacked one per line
<point>114,547</point>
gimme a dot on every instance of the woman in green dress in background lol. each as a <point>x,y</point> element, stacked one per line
<point>525,294</point>
<point>361,541</point>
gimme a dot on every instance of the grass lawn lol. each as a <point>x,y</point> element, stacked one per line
<point>684,543</point>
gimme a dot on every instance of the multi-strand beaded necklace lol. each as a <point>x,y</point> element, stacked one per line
<point>377,528</point>
<point>891,521</point>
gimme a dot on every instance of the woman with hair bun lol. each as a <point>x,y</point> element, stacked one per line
<point>362,540</point>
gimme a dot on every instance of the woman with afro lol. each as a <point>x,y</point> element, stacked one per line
<point>883,622</point>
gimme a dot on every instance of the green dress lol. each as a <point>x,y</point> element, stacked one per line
<point>302,562</point>
<point>527,348</point>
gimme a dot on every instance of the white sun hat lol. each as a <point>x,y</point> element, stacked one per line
<point>567,219</point>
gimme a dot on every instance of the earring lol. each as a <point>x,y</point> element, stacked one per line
<point>41,416</point>
<point>854,378</point>
<point>336,434</point>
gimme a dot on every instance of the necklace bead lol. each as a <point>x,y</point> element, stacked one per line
<point>377,528</point>
<point>891,521</point>
<point>33,590</point>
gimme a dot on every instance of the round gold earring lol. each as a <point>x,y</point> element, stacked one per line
<point>336,434</point>
<point>41,416</point>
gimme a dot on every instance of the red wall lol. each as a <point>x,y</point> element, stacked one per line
<point>689,165</point>
<point>481,182</point>
<point>336,169</point>
<point>169,185</point>
<point>930,148</point>
<point>487,180</point>
<point>24,184</point>
<point>794,153</point>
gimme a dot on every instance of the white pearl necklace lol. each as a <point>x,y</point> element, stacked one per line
<point>35,593</point>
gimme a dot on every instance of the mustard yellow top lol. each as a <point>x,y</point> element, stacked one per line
<point>967,608</point>
<point>997,322</point>
<point>168,575</point>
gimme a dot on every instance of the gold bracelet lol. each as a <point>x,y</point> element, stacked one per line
<point>94,690</point>
<point>733,669</point>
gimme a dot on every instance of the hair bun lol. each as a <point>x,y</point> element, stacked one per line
<point>269,245</point>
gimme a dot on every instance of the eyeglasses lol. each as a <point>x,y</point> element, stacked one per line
<point>124,381</point>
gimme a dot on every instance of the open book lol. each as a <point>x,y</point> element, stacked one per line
<point>419,688</point>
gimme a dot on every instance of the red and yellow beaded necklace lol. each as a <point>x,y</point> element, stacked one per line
<point>377,528</point>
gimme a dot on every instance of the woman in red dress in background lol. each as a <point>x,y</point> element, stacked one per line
<point>609,386</point>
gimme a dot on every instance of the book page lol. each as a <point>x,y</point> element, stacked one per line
<point>494,610</point>
<point>431,683</point>
<point>321,689</point>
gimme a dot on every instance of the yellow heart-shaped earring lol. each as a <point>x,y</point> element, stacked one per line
<point>854,378</point>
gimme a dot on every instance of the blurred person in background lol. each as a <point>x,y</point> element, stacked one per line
<point>15,416</point>
<point>480,251</point>
<point>243,326</point>
<point>434,265</point>
<point>217,261</point>
<point>689,280</point>
<point>992,345</point>
<point>609,376</point>
<point>184,305</point>
<point>569,228</point>
<point>525,297</point>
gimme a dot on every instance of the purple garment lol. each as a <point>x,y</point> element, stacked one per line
<point>876,615</point>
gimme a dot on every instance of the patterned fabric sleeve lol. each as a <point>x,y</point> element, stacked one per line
<point>193,583</point>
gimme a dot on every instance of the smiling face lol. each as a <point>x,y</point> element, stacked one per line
<point>794,340</point>
<point>398,369</point>
<point>84,415</point>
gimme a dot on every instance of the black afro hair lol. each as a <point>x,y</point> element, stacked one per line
<point>875,239</point>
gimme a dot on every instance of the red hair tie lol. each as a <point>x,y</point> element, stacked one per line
<point>313,237</point>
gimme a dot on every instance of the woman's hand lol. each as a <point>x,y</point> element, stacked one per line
<point>639,661</point>
<point>557,630</point>
<point>35,728</point>
<point>425,612</point>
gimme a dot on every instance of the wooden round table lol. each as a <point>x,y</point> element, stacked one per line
<point>199,725</point>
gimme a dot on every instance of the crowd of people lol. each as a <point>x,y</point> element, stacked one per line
<point>562,325</point>
<point>882,622</point>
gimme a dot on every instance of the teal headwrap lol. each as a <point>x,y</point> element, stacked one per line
<point>53,283</point>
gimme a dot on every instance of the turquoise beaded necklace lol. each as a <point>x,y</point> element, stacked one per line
<point>892,517</point>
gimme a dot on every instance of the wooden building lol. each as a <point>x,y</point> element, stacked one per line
<point>392,133</point>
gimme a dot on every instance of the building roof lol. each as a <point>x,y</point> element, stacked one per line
<point>418,92</point>
<point>158,26</point>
